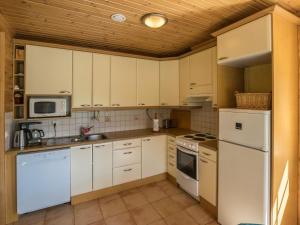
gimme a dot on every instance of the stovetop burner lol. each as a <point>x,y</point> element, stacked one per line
<point>198,139</point>
<point>200,135</point>
<point>188,136</point>
<point>210,137</point>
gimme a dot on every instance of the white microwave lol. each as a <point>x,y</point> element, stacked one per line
<point>48,107</point>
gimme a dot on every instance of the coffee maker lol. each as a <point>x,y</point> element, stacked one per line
<point>25,137</point>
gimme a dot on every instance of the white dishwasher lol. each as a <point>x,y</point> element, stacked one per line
<point>43,180</point>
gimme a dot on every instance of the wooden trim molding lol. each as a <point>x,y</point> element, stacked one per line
<point>2,128</point>
<point>273,9</point>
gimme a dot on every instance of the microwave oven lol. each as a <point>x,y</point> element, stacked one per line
<point>41,107</point>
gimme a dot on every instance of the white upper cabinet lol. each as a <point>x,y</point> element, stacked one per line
<point>48,71</point>
<point>82,79</point>
<point>169,83</point>
<point>147,82</point>
<point>246,44</point>
<point>184,80</point>
<point>154,155</point>
<point>123,81</point>
<point>101,80</point>
<point>201,77</point>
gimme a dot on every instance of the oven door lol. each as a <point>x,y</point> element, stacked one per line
<point>187,162</point>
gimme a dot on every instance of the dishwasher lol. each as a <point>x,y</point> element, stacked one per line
<point>43,180</point>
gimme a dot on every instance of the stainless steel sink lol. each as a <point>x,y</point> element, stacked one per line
<point>95,137</point>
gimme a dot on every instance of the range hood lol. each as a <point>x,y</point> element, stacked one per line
<point>198,100</point>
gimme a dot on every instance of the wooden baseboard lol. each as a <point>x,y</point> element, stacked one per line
<point>211,209</point>
<point>115,189</point>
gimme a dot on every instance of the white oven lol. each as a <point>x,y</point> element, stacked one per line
<point>40,107</point>
<point>187,170</point>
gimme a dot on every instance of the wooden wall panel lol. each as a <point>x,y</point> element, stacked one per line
<point>285,122</point>
<point>182,117</point>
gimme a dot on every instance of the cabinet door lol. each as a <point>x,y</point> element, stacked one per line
<point>248,41</point>
<point>102,166</point>
<point>81,169</point>
<point>101,80</point>
<point>201,73</point>
<point>169,83</point>
<point>82,79</point>
<point>184,80</point>
<point>48,71</point>
<point>147,82</point>
<point>154,156</point>
<point>123,81</point>
<point>208,180</point>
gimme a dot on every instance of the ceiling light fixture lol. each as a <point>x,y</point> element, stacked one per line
<point>154,20</point>
<point>118,17</point>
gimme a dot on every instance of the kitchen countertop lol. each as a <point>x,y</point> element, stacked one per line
<point>66,142</point>
<point>213,145</point>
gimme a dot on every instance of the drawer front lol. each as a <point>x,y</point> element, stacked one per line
<point>171,157</point>
<point>171,140</point>
<point>126,157</point>
<point>172,169</point>
<point>172,148</point>
<point>131,143</point>
<point>208,153</point>
<point>126,174</point>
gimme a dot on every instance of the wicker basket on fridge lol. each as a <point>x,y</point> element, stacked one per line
<point>253,100</point>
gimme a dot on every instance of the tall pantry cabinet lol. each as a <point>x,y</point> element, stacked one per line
<point>273,36</point>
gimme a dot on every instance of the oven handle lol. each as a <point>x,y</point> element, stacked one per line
<point>186,151</point>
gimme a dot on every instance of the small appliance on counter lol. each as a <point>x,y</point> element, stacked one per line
<point>26,137</point>
<point>169,123</point>
<point>155,123</point>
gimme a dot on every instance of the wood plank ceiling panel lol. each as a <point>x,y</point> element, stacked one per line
<point>87,22</point>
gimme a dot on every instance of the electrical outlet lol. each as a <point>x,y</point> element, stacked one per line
<point>136,118</point>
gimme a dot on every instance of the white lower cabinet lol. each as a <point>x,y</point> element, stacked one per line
<point>171,149</point>
<point>102,165</point>
<point>154,156</point>
<point>126,157</point>
<point>126,174</point>
<point>208,175</point>
<point>126,161</point>
<point>81,169</point>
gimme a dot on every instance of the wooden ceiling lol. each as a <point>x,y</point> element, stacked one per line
<point>87,22</point>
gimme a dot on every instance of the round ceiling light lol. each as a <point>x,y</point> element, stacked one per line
<point>118,17</point>
<point>154,20</point>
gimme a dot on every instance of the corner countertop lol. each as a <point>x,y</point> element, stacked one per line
<point>65,142</point>
<point>213,145</point>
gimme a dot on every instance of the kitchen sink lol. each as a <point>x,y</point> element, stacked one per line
<point>95,137</point>
<point>91,137</point>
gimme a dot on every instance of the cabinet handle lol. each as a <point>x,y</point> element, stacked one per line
<point>85,148</point>
<point>141,104</point>
<point>148,139</point>
<point>205,153</point>
<point>203,161</point>
<point>163,103</point>
<point>222,58</point>
<point>184,104</point>
<point>127,144</point>
<point>127,153</point>
<point>63,92</point>
<point>85,105</point>
<point>98,105</point>
<point>99,146</point>
<point>127,170</point>
<point>115,104</point>
<point>171,164</point>
<point>192,84</point>
<point>171,148</point>
<point>172,157</point>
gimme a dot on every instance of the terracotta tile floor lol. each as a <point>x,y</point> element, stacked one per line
<point>160,203</point>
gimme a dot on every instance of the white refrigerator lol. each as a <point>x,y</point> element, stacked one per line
<point>244,166</point>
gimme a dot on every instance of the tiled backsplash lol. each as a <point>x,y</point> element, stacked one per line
<point>103,121</point>
<point>205,119</point>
